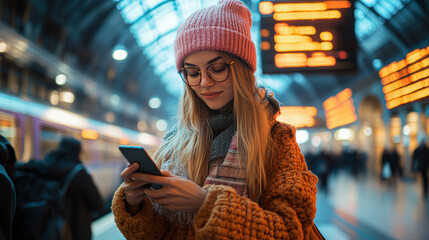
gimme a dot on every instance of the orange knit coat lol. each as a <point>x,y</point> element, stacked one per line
<point>285,211</point>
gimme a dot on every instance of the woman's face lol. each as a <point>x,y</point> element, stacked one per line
<point>215,94</point>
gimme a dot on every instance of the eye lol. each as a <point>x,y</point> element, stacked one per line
<point>192,72</point>
<point>217,67</point>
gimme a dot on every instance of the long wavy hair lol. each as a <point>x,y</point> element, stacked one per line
<point>191,143</point>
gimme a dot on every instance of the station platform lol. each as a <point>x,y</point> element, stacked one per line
<point>352,208</point>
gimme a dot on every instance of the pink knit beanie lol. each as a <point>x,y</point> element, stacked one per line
<point>222,27</point>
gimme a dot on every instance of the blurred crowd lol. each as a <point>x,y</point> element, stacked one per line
<point>354,162</point>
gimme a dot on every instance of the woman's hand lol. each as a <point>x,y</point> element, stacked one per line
<point>133,188</point>
<point>176,194</point>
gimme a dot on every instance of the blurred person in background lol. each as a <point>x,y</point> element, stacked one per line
<point>85,200</point>
<point>420,163</point>
<point>390,165</point>
<point>395,165</point>
<point>7,189</point>
<point>230,170</point>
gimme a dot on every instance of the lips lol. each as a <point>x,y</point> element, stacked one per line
<point>211,95</point>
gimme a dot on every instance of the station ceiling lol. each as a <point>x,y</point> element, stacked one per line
<point>385,29</point>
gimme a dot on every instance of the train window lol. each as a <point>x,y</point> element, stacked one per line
<point>50,137</point>
<point>103,150</point>
<point>10,129</point>
<point>109,150</point>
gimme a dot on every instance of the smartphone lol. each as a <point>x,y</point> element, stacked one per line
<point>146,164</point>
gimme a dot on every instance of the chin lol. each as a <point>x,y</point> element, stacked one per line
<point>214,106</point>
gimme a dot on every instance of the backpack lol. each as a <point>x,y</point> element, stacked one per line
<point>41,211</point>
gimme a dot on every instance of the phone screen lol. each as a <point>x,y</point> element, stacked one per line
<point>146,164</point>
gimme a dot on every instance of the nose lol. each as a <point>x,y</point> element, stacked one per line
<point>206,81</point>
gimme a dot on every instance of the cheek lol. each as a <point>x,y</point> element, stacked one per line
<point>229,88</point>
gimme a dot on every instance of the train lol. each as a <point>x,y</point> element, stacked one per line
<point>34,129</point>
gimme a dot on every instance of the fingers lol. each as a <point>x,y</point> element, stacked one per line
<point>166,179</point>
<point>133,196</point>
<point>126,173</point>
<point>157,194</point>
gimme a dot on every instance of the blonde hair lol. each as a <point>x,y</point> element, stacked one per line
<point>191,143</point>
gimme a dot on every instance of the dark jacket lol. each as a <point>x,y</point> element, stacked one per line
<point>86,201</point>
<point>7,205</point>
<point>420,158</point>
<point>7,190</point>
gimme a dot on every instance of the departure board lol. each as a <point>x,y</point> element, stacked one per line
<point>307,36</point>
<point>406,80</point>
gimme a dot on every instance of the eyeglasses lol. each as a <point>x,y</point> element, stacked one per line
<point>217,72</point>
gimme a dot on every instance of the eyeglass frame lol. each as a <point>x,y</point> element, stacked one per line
<point>201,73</point>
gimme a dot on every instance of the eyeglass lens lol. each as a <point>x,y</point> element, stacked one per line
<point>217,72</point>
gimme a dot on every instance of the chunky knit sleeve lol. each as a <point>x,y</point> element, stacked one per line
<point>286,209</point>
<point>146,224</point>
<point>291,188</point>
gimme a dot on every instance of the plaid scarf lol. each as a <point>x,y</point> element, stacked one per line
<point>227,171</point>
<point>224,166</point>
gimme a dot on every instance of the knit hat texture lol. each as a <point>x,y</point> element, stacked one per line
<point>222,27</point>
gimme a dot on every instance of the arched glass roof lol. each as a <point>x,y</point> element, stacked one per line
<point>154,24</point>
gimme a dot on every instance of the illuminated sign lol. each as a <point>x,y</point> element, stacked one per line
<point>340,109</point>
<point>301,36</point>
<point>406,80</point>
<point>298,116</point>
<point>89,134</point>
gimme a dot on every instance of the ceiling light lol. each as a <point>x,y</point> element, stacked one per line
<point>302,136</point>
<point>155,102</point>
<point>161,125</point>
<point>115,100</point>
<point>316,140</point>
<point>67,97</point>
<point>3,46</point>
<point>119,53</point>
<point>60,79</point>
<point>55,98</point>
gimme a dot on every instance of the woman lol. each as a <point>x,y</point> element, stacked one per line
<point>230,171</point>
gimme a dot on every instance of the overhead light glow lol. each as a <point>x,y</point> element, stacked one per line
<point>406,130</point>
<point>148,139</point>
<point>161,125</point>
<point>142,125</point>
<point>115,100</point>
<point>367,131</point>
<point>63,117</point>
<point>344,134</point>
<point>155,102</point>
<point>119,53</point>
<point>55,98</point>
<point>110,117</point>
<point>67,97</point>
<point>302,136</point>
<point>60,79</point>
<point>316,140</point>
<point>3,46</point>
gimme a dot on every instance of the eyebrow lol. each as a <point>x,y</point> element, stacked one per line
<point>211,61</point>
